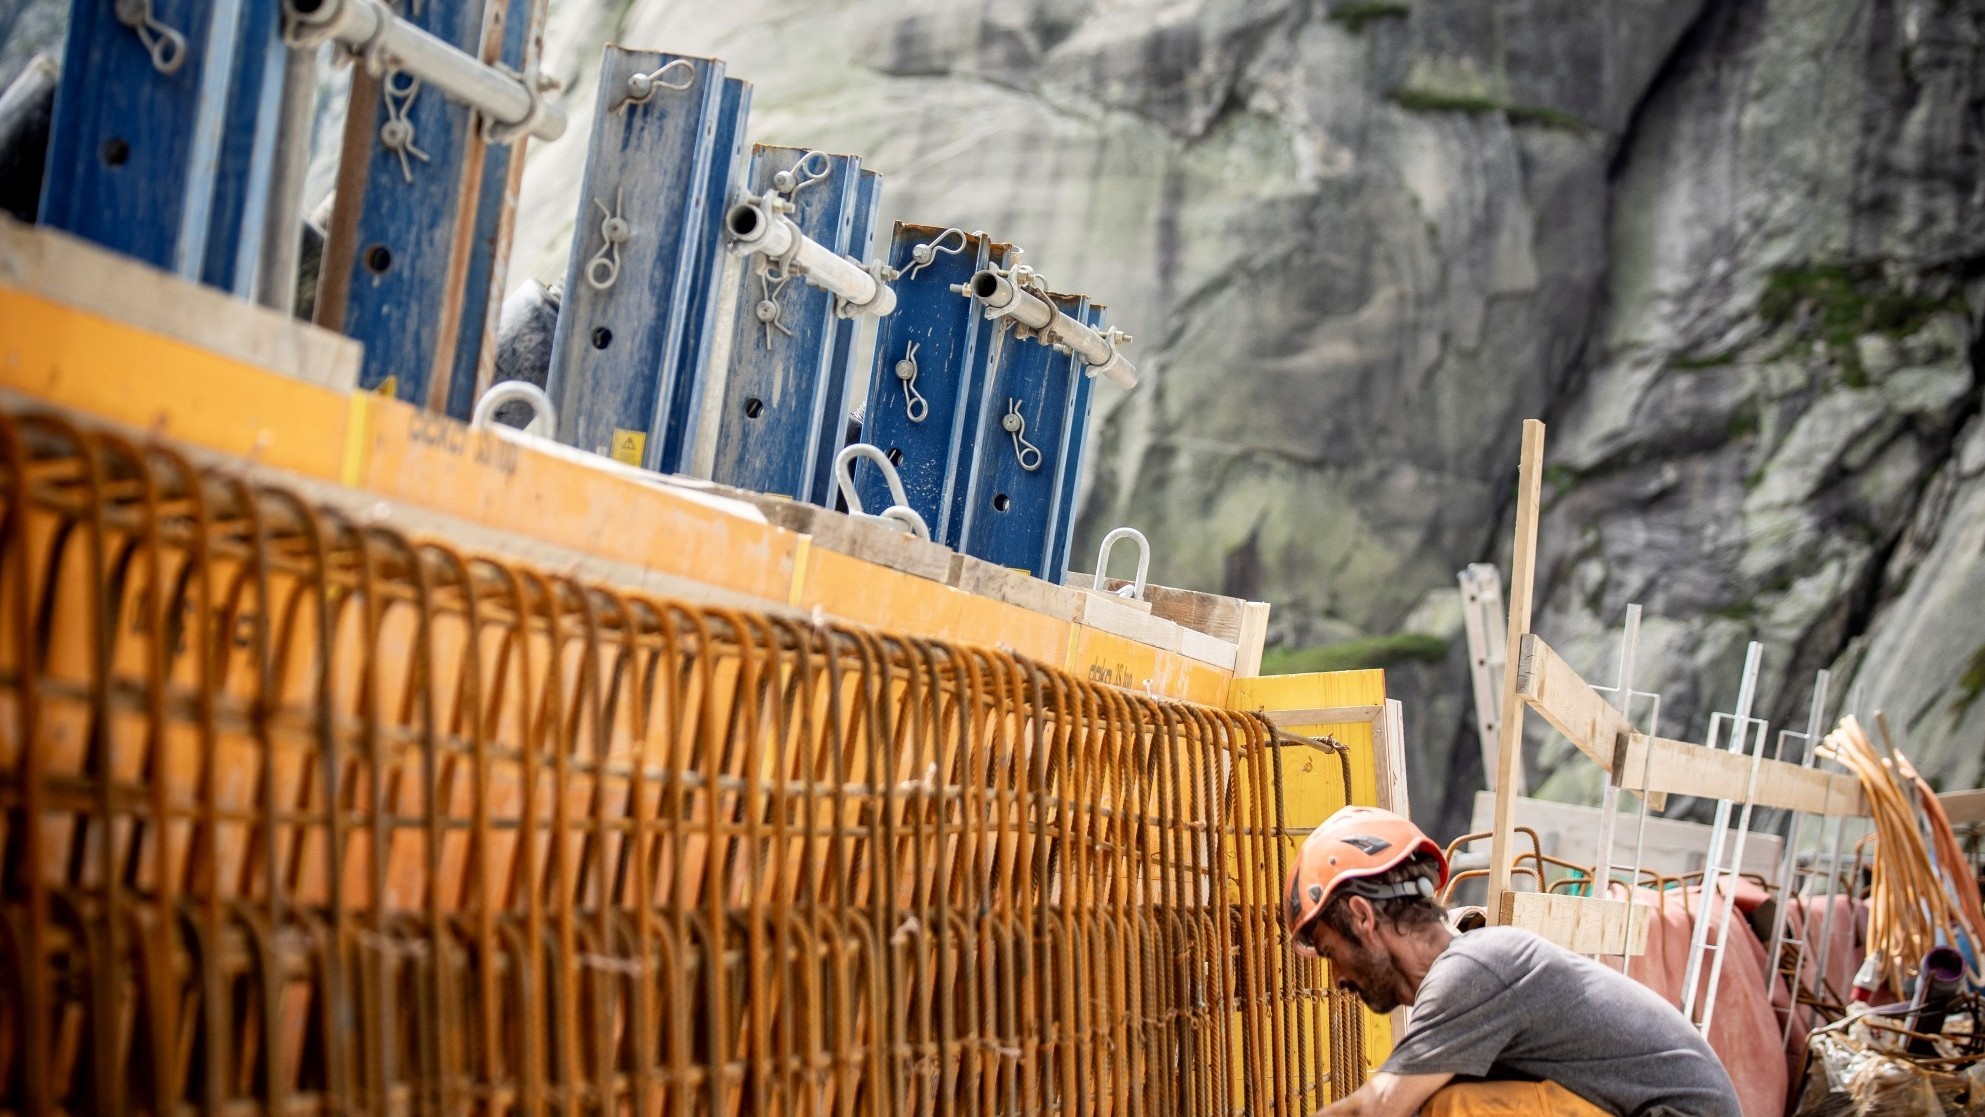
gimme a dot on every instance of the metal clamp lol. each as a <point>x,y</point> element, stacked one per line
<point>544,418</point>
<point>899,514</point>
<point>1135,590</point>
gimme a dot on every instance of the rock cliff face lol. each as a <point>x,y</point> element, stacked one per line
<point>1731,249</point>
<point>1734,251</point>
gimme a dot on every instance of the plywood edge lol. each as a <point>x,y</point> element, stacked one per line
<point>66,269</point>
<point>1107,613</point>
<point>1580,924</point>
<point>1207,649</point>
<point>1252,638</point>
<point>1208,613</point>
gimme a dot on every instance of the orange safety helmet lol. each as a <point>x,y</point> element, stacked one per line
<point>1354,843</point>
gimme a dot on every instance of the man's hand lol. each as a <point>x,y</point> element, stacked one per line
<point>1388,1095</point>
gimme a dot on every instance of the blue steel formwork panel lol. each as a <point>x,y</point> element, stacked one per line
<point>1075,434</point>
<point>246,154</point>
<point>699,341</point>
<point>620,328</point>
<point>135,154</point>
<point>836,390</point>
<point>393,262</point>
<point>769,423</point>
<point>933,452</point>
<point>518,27</point>
<point>1010,510</point>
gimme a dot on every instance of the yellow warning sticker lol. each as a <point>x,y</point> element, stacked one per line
<point>389,387</point>
<point>629,446</point>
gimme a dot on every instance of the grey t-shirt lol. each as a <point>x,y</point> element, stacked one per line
<point>1502,1003</point>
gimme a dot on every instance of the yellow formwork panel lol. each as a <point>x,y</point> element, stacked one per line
<point>407,453</point>
<point>74,359</point>
<point>869,594</point>
<point>1312,784</point>
<point>93,364</point>
<point>1119,661</point>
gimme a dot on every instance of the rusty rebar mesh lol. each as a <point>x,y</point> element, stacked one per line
<point>303,816</point>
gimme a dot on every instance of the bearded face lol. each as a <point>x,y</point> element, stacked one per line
<point>1363,968</point>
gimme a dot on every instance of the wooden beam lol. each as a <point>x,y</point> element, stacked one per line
<point>1964,807</point>
<point>1522,576</point>
<point>1327,715</point>
<point>1548,685</point>
<point>1202,612</point>
<point>1253,634</point>
<point>1580,924</point>
<point>1659,765</point>
<point>1389,751</point>
<point>1568,703</point>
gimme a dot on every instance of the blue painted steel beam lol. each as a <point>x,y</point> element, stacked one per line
<point>513,37</point>
<point>770,423</point>
<point>1011,509</point>
<point>394,261</point>
<point>149,119</point>
<point>928,426</point>
<point>836,388</point>
<point>728,164</point>
<point>246,153</point>
<point>617,350</point>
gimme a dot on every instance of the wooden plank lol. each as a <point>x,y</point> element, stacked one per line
<point>1568,703</point>
<point>1658,764</point>
<point>1580,924</point>
<point>60,268</point>
<point>1003,583</point>
<point>1522,575</point>
<point>1207,649</point>
<point>1108,613</point>
<point>1964,807</point>
<point>1087,585</point>
<point>1326,715</point>
<point>1389,751</point>
<point>1253,634</point>
<point>1202,612</point>
<point>1547,684</point>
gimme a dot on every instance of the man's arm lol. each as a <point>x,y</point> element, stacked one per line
<point>1388,1095</point>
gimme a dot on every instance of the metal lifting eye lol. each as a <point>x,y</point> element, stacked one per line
<point>604,267</point>
<point>923,254</point>
<point>914,404</point>
<point>799,177</point>
<point>1028,454</point>
<point>640,87</point>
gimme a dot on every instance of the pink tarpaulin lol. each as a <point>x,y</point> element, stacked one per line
<point>1746,1024</point>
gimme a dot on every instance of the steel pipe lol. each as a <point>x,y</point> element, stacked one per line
<point>756,225</point>
<point>513,104</point>
<point>1004,298</point>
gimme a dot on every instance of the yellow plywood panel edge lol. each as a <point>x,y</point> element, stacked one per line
<point>862,592</point>
<point>358,431</point>
<point>73,358</point>
<point>431,461</point>
<point>802,552</point>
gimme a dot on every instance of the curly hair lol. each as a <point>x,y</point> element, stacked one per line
<point>1402,912</point>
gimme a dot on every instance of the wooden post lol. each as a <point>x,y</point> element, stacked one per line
<point>1509,745</point>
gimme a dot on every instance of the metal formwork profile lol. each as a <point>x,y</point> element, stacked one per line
<point>1031,426</point>
<point>784,393</point>
<point>396,255</point>
<point>926,386</point>
<point>640,229</point>
<point>302,814</point>
<point>164,128</point>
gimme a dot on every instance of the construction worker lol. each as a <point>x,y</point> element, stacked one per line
<point>1498,1004</point>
